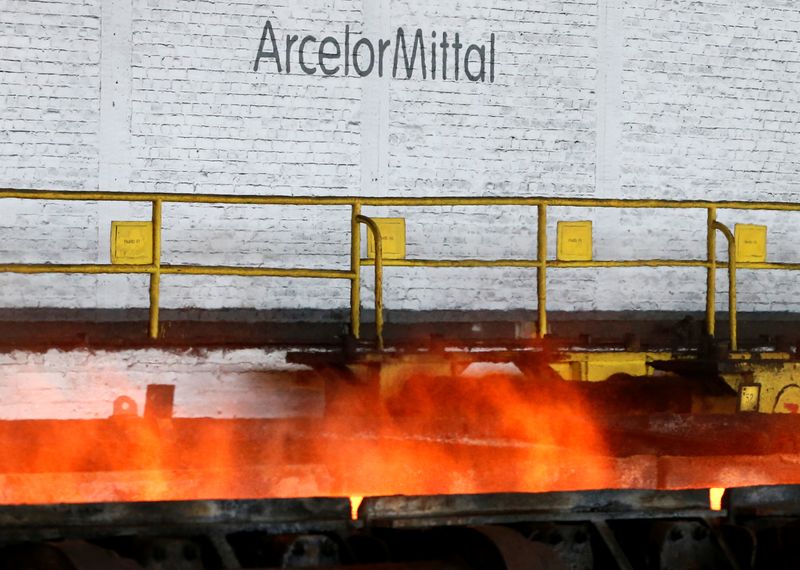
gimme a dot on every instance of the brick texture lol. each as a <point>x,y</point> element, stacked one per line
<point>710,111</point>
<point>49,85</point>
<point>217,383</point>
<point>707,109</point>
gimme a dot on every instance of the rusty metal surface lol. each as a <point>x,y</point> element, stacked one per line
<point>775,500</point>
<point>701,435</point>
<point>164,518</point>
<point>657,451</point>
<point>460,510</point>
<point>664,529</point>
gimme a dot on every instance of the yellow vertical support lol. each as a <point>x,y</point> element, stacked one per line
<point>711,280</point>
<point>732,293</point>
<point>378,239</point>
<point>374,232</point>
<point>355,268</point>
<point>155,276</point>
<point>731,283</point>
<point>541,270</point>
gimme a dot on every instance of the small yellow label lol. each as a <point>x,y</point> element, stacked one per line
<point>575,241</point>
<point>393,238</point>
<point>132,243</point>
<point>749,396</point>
<point>751,243</point>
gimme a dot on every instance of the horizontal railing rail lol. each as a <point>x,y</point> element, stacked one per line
<point>92,196</point>
<point>155,269</point>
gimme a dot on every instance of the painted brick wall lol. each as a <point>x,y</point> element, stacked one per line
<point>532,130</point>
<point>217,383</point>
<point>49,85</point>
<point>204,121</point>
<point>49,119</point>
<point>711,99</point>
<point>709,110</point>
<point>679,100</point>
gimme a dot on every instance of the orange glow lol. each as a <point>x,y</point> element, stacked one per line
<point>715,498</point>
<point>432,435</point>
<point>495,433</point>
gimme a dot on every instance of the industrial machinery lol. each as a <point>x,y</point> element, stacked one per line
<point>530,451</point>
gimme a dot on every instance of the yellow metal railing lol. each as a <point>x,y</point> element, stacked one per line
<point>375,233</point>
<point>541,263</point>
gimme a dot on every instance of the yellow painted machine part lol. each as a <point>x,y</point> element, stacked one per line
<point>597,366</point>
<point>768,384</point>
<point>773,377</point>
<point>541,263</point>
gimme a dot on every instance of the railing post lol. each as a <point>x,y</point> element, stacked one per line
<point>375,231</point>
<point>711,279</point>
<point>732,293</point>
<point>731,283</point>
<point>355,269</point>
<point>541,270</point>
<point>155,276</point>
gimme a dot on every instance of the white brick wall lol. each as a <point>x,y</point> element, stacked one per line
<point>49,120</point>
<point>679,100</point>
<point>204,121</point>
<point>532,131</point>
<point>710,110</point>
<point>216,383</point>
<point>711,99</point>
<point>49,84</point>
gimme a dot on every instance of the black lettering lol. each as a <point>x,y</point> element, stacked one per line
<point>325,56</point>
<point>409,64</point>
<point>433,56</point>
<point>444,45</point>
<point>362,55</point>
<point>457,46</point>
<point>289,42</point>
<point>274,53</point>
<point>481,76</point>
<point>303,66</point>
<point>347,50</point>
<point>382,45</point>
<point>356,65</point>
<point>491,60</point>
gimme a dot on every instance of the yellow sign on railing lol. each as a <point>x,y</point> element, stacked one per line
<point>574,241</point>
<point>393,232</point>
<point>751,243</point>
<point>132,243</point>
